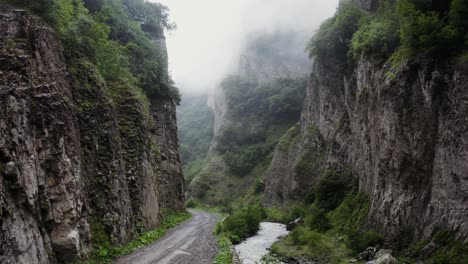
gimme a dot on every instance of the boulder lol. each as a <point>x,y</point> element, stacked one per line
<point>382,252</point>
<point>367,254</point>
<point>386,258</point>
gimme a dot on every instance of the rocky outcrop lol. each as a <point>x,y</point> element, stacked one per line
<point>217,102</point>
<point>41,187</point>
<point>402,131</point>
<point>171,180</point>
<point>80,160</point>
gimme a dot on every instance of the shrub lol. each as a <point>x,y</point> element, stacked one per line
<point>286,214</point>
<point>334,35</point>
<point>193,203</point>
<point>313,245</point>
<point>404,28</point>
<point>318,220</point>
<point>44,8</point>
<point>116,41</point>
<point>241,160</point>
<point>447,249</point>
<point>332,189</point>
<point>424,32</point>
<point>243,223</point>
<point>378,34</point>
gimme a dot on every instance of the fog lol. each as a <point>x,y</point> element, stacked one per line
<point>211,34</point>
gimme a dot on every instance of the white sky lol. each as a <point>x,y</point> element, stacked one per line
<point>210,33</point>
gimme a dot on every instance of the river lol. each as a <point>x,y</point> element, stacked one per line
<point>254,248</point>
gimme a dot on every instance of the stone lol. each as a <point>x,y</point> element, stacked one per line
<point>386,258</point>
<point>10,169</point>
<point>382,252</point>
<point>367,254</point>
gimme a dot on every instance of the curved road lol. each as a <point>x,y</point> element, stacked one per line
<point>191,242</point>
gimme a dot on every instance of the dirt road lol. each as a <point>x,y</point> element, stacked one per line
<point>189,243</point>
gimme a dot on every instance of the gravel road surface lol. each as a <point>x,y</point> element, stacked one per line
<point>191,242</point>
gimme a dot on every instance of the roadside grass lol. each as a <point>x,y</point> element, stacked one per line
<point>224,255</point>
<point>106,253</point>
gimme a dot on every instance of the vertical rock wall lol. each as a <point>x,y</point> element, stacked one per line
<point>402,132</point>
<point>171,179</point>
<point>41,188</point>
<point>78,157</point>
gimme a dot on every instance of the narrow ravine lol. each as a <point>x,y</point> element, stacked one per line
<point>254,248</point>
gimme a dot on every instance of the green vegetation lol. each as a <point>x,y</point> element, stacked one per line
<point>242,223</point>
<point>195,123</point>
<point>290,212</point>
<point>399,29</point>
<point>192,169</point>
<point>224,255</point>
<point>105,252</point>
<point>288,138</point>
<point>334,221</point>
<point>311,244</point>
<point>404,28</point>
<point>378,34</point>
<point>259,115</point>
<point>114,35</point>
<point>447,249</point>
<point>111,45</point>
<point>332,188</point>
<point>335,34</point>
<point>310,163</point>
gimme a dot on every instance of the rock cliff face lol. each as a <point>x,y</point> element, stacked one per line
<point>264,59</point>
<point>402,131</point>
<point>74,159</point>
<point>217,102</point>
<point>42,191</point>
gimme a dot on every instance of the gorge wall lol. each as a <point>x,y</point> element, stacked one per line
<point>242,122</point>
<point>78,157</point>
<point>401,130</point>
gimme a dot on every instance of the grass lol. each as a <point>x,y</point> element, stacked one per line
<point>448,250</point>
<point>328,235</point>
<point>310,244</point>
<point>224,255</point>
<point>289,138</point>
<point>105,253</point>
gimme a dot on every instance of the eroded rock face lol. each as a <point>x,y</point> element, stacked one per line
<point>40,185</point>
<point>403,132</point>
<point>171,179</point>
<point>76,157</point>
<point>103,165</point>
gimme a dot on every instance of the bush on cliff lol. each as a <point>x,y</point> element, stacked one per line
<point>404,28</point>
<point>334,35</point>
<point>116,40</point>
